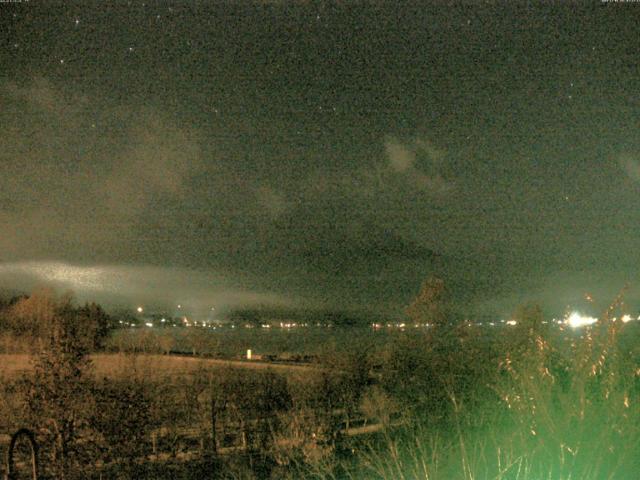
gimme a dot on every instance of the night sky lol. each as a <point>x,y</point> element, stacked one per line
<point>308,154</point>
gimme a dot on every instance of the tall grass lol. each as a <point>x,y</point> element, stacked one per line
<point>566,406</point>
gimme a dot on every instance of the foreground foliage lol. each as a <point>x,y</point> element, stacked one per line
<point>451,402</point>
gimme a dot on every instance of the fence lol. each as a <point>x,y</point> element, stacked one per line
<point>224,438</point>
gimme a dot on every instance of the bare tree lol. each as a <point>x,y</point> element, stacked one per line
<point>58,394</point>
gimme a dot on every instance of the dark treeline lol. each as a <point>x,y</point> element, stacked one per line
<point>26,320</point>
<point>265,314</point>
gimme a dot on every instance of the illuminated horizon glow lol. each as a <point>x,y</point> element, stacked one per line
<point>137,285</point>
<point>75,276</point>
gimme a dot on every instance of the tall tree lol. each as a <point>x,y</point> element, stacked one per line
<point>432,303</point>
<point>58,394</point>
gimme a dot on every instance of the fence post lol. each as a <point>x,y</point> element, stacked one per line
<point>154,443</point>
<point>214,446</point>
<point>31,440</point>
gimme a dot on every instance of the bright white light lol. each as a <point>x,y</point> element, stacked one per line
<point>512,322</point>
<point>575,320</point>
<point>149,324</point>
<point>626,318</point>
<point>139,309</point>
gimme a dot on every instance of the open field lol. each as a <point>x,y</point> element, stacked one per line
<point>232,343</point>
<point>150,366</point>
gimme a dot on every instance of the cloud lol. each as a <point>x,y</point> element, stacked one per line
<point>75,174</point>
<point>132,285</point>
<point>401,159</point>
<point>272,201</point>
<point>631,165</point>
<point>157,161</point>
<point>418,162</point>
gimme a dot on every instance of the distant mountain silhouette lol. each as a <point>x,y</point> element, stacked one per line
<point>334,247</point>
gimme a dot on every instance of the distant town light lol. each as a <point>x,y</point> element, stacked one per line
<point>149,324</point>
<point>626,318</point>
<point>139,309</point>
<point>511,322</point>
<point>576,320</point>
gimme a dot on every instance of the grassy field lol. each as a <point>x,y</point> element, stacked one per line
<point>149,366</point>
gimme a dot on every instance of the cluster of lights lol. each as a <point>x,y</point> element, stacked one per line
<point>574,320</point>
<point>401,325</point>
<point>577,320</point>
